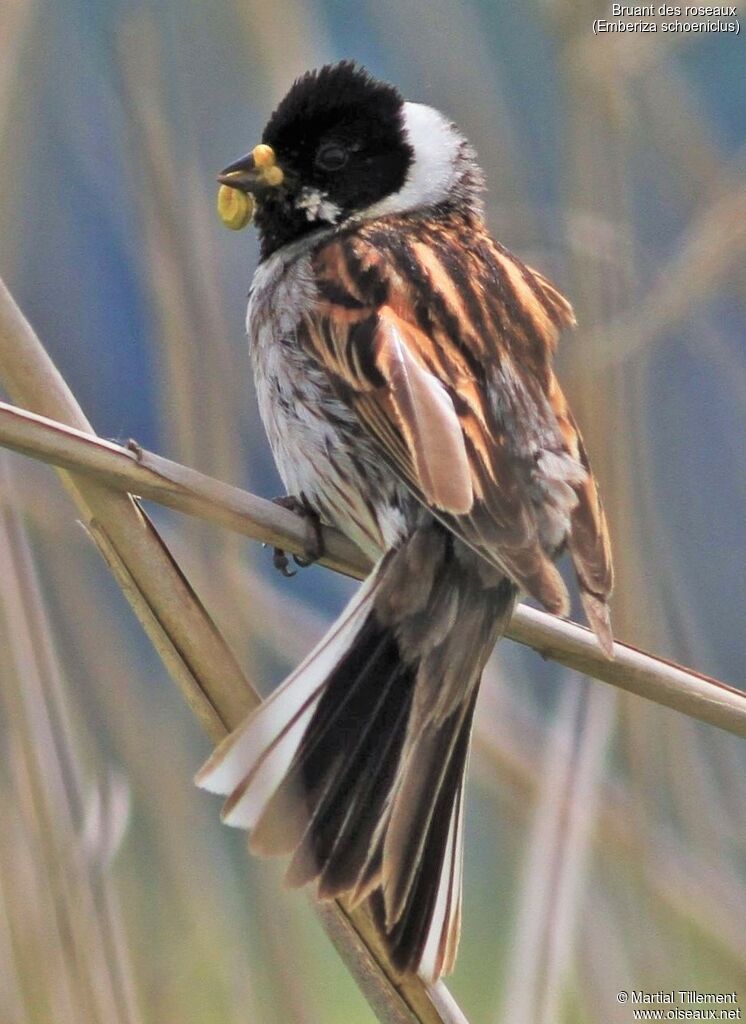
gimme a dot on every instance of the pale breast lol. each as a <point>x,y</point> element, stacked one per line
<point>321,451</point>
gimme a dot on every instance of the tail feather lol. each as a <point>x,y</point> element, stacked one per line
<point>424,935</point>
<point>343,766</point>
<point>426,778</point>
<point>249,745</point>
<point>245,805</point>
<point>354,859</point>
<point>355,765</point>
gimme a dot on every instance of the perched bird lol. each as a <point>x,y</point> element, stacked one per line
<point>403,366</point>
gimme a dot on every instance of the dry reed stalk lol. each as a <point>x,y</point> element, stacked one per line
<point>168,609</point>
<point>550,894</point>
<point>179,487</point>
<point>163,871</point>
<point>81,905</point>
<point>192,648</point>
<point>11,990</point>
<point>676,878</point>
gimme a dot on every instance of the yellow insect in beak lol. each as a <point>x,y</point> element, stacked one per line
<point>235,208</point>
<point>253,173</point>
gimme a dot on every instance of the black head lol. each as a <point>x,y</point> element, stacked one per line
<point>339,141</point>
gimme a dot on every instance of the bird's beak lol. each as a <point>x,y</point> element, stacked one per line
<point>256,171</point>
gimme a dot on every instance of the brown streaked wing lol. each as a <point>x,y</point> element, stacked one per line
<point>425,415</point>
<point>589,543</point>
<point>426,331</point>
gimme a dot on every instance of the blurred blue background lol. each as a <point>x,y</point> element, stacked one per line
<point>605,846</point>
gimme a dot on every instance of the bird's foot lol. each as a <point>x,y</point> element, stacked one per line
<point>314,547</point>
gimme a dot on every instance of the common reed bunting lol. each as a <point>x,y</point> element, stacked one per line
<point>403,364</point>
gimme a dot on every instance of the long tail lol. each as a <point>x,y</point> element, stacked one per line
<point>355,765</point>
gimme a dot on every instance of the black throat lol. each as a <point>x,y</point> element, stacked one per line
<point>342,110</point>
<point>279,223</point>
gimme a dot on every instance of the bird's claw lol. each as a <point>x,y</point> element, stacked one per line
<point>281,563</point>
<point>314,544</point>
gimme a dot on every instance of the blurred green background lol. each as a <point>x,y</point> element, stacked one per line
<point>605,846</point>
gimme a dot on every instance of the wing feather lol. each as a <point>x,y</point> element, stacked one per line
<point>426,418</point>
<point>444,352</point>
<point>589,544</point>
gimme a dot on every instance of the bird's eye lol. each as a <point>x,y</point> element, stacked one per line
<point>331,157</point>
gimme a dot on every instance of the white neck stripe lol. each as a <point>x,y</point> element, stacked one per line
<point>436,145</point>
